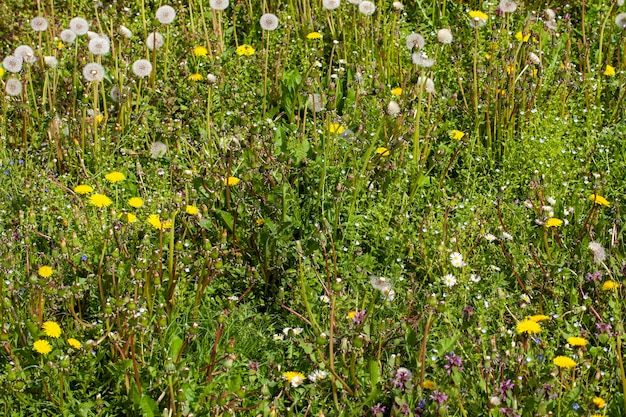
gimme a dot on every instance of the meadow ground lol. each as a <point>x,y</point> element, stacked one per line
<point>312,208</point>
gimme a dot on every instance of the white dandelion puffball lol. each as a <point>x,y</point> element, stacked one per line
<point>93,72</point>
<point>211,78</point>
<point>444,36</point>
<point>13,87</point>
<point>427,83</point>
<point>331,4</point>
<point>315,102</point>
<point>620,20</point>
<point>50,61</point>
<point>142,68</point>
<point>269,21</point>
<point>367,8</point>
<point>415,41</point>
<point>422,60</point>
<point>26,53</point>
<point>397,5</point>
<point>39,24</point>
<point>393,109</point>
<point>599,254</point>
<point>166,14</point>
<point>79,25</point>
<point>534,58</point>
<point>99,46</point>
<point>125,32</point>
<point>158,150</point>
<point>219,4</point>
<point>12,64</point>
<point>507,6</point>
<point>154,41</point>
<point>68,35</point>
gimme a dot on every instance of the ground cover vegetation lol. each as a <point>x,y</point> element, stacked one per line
<point>313,208</point>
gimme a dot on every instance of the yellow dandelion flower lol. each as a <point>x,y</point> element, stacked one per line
<point>528,326</point>
<point>351,315</point>
<point>260,222</point>
<point>610,285</point>
<point>60,45</point>
<point>336,128</point>
<point>428,384</point>
<point>382,151</point>
<point>42,347</point>
<point>577,341</point>
<point>599,402</point>
<point>396,91</point>
<point>51,329</point>
<point>554,222</point>
<point>488,56</point>
<point>564,362</point>
<point>510,69</point>
<point>100,200</point>
<point>196,77</point>
<point>609,70</point>
<point>231,181</point>
<point>83,189</point>
<point>45,271</point>
<point>155,221</point>
<point>74,343</point>
<point>521,37</point>
<point>2,72</point>
<point>538,318</point>
<point>244,49</point>
<point>135,202</point>
<point>193,210</point>
<point>598,199</point>
<point>200,51</point>
<point>99,118</point>
<point>456,134</point>
<point>115,177</point>
<point>477,14</point>
<point>314,35</point>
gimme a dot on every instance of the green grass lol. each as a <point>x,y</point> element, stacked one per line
<point>303,247</point>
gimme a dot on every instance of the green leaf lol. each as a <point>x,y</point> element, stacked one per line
<point>227,218</point>
<point>374,372</point>
<point>149,407</point>
<point>176,343</point>
<point>301,151</point>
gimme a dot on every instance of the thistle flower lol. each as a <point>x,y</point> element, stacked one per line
<point>142,68</point>
<point>269,21</point>
<point>415,41</point>
<point>39,24</point>
<point>444,36</point>
<point>564,362</point>
<point>79,25</point>
<point>158,150</point>
<point>154,41</point>
<point>125,32</point>
<point>12,63</point>
<point>367,8</point>
<point>13,87</point>
<point>50,61</point>
<point>477,18</point>
<point>599,255</point>
<point>99,46</point>
<point>331,4</point>
<point>620,20</point>
<point>26,53</point>
<point>166,14</point>
<point>421,60</point>
<point>45,271</point>
<point>393,108</point>
<point>507,6</point>
<point>68,35</point>
<point>51,329</point>
<point>218,4</point>
<point>93,72</point>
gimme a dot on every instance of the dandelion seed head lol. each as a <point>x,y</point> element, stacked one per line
<point>534,58</point>
<point>39,24</point>
<point>50,61</point>
<point>13,87</point>
<point>93,72</point>
<point>367,8</point>
<point>155,41</point>
<point>421,60</point>
<point>166,14</point>
<point>599,254</point>
<point>158,150</point>
<point>427,83</point>
<point>315,102</point>
<point>620,20</point>
<point>393,108</point>
<point>415,41</point>
<point>331,4</point>
<point>507,6</point>
<point>142,68</point>
<point>26,53</point>
<point>68,35</point>
<point>99,46</point>
<point>219,4</point>
<point>12,64</point>
<point>397,5</point>
<point>79,25</point>
<point>269,21</point>
<point>444,36</point>
<point>125,32</point>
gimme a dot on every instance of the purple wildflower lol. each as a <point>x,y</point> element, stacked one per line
<point>378,409</point>
<point>596,276</point>
<point>453,361</point>
<point>403,378</point>
<point>438,397</point>
<point>604,328</point>
<point>505,386</point>
<point>358,318</point>
<point>404,409</point>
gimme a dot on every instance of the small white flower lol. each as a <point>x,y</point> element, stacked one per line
<point>449,280</point>
<point>286,330</point>
<point>551,201</point>
<point>278,336</point>
<point>317,375</point>
<point>297,330</point>
<point>296,381</point>
<point>324,299</point>
<point>489,237</point>
<point>526,298</point>
<point>506,236</point>
<point>474,278</point>
<point>456,259</point>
